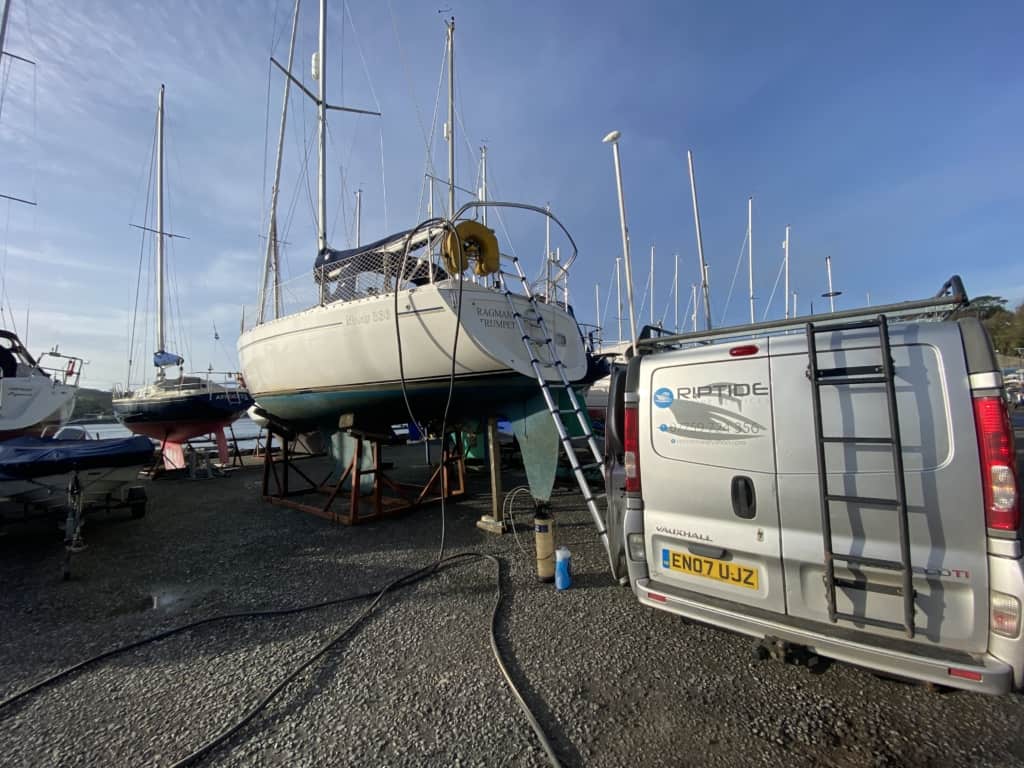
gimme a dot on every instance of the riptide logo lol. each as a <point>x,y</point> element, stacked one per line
<point>663,397</point>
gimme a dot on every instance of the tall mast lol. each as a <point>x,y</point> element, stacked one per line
<point>3,24</point>
<point>705,288</point>
<point>675,294</point>
<point>547,252</point>
<point>451,116</point>
<point>483,182</point>
<point>359,217</point>
<point>320,71</point>
<point>272,261</point>
<point>750,253</point>
<point>597,307</point>
<point>785,248</point>
<point>618,294</point>
<point>613,139</point>
<point>693,298</point>
<point>831,295</point>
<point>160,221</point>
<point>651,279</point>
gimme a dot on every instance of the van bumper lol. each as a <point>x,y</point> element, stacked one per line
<point>996,675</point>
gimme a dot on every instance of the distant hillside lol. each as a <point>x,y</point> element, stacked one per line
<point>92,402</point>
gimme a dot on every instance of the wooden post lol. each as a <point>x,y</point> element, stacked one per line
<point>493,523</point>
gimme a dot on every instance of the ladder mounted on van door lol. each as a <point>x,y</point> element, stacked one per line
<point>849,377</point>
<point>537,337</point>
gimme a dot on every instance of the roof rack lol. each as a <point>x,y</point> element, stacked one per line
<point>950,298</point>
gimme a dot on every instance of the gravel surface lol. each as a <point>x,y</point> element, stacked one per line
<point>612,682</point>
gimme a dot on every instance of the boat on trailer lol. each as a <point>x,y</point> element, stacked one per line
<point>175,409</point>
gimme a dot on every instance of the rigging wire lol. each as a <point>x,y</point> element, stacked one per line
<point>735,274</point>
<point>771,298</point>
<point>142,248</point>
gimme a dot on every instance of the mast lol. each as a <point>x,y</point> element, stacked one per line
<point>160,222</point>
<point>547,251</point>
<point>3,24</point>
<point>359,217</point>
<point>750,253</point>
<point>597,307</point>
<point>675,294</point>
<point>700,244</point>
<point>785,248</point>
<point>451,116</point>
<point>651,279</point>
<point>831,295</point>
<point>272,261</point>
<point>483,182</point>
<point>618,294</point>
<point>320,73</point>
<point>613,139</point>
<point>693,288</point>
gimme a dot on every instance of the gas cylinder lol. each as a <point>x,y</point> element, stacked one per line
<point>544,536</point>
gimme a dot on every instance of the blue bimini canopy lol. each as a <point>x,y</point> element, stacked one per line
<point>163,359</point>
<point>23,458</point>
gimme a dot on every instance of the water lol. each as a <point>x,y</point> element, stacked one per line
<point>245,429</point>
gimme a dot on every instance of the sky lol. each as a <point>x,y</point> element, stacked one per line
<point>889,138</point>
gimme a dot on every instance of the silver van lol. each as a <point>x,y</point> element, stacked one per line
<point>844,483</point>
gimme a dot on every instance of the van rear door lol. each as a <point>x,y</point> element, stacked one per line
<point>708,474</point>
<point>941,470</point>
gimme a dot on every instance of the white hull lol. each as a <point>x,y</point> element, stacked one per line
<point>50,492</point>
<point>351,348</point>
<point>29,403</point>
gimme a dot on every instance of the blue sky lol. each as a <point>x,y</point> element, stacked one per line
<point>888,138</point>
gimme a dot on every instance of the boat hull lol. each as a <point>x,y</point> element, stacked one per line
<point>343,358</point>
<point>29,404</point>
<point>34,473</point>
<point>176,418</point>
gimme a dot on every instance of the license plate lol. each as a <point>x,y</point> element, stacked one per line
<point>710,568</point>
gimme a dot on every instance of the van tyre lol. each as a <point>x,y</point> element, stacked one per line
<point>138,510</point>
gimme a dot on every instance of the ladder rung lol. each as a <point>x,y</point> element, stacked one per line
<point>871,562</point>
<point>849,370</point>
<point>592,465</point>
<point>862,440</point>
<point>855,325</point>
<point>852,380</point>
<point>895,625</point>
<point>867,501</point>
<point>868,586</point>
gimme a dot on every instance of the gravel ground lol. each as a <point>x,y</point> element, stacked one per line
<point>612,682</point>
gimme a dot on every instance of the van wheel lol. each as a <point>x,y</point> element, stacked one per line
<point>138,511</point>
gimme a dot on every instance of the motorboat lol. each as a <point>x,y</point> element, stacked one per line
<point>34,394</point>
<point>36,472</point>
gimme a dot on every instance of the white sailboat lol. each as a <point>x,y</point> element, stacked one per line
<point>398,321</point>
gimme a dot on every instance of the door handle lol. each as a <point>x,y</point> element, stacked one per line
<point>744,500</point>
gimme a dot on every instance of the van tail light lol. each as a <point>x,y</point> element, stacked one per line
<point>631,444</point>
<point>998,464</point>
<point>1004,614</point>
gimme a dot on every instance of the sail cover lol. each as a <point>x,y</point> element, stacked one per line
<point>163,359</point>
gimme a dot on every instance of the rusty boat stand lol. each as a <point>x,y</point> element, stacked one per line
<point>350,506</point>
